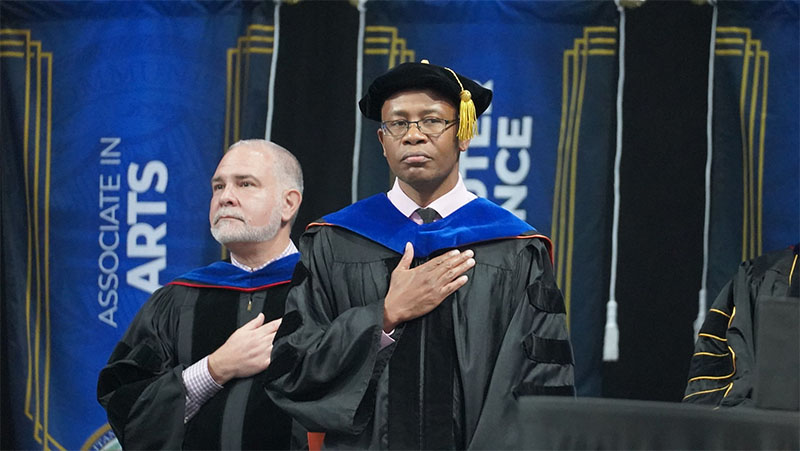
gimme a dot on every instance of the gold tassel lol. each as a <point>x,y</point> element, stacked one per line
<point>468,120</point>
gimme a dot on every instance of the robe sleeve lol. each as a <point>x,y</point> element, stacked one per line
<point>141,386</point>
<point>721,368</point>
<point>535,357</point>
<point>547,367</point>
<point>326,359</point>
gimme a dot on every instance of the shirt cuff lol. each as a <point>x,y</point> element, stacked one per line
<point>386,339</point>
<point>200,387</point>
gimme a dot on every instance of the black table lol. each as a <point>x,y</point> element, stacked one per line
<point>599,423</point>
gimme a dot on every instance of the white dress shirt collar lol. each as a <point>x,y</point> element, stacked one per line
<point>290,249</point>
<point>444,205</point>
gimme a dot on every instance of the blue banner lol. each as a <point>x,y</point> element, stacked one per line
<point>114,115</point>
<point>755,194</point>
<point>545,147</point>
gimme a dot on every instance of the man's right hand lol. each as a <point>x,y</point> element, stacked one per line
<point>246,352</point>
<point>415,292</point>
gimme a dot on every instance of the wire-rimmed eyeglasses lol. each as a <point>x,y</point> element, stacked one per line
<point>427,125</point>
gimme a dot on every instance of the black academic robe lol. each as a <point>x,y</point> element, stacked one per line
<point>722,369</point>
<point>142,388</point>
<point>453,377</point>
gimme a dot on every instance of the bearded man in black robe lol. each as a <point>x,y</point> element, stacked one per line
<point>188,372</point>
<point>418,317</point>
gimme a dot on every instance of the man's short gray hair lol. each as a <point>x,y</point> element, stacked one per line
<point>286,168</point>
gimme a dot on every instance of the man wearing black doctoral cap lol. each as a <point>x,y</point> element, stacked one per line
<point>419,316</point>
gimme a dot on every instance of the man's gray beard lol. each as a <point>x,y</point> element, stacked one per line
<point>231,232</point>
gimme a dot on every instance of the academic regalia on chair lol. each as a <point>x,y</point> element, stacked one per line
<point>723,367</point>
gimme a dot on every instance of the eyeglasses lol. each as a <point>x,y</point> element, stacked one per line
<point>428,126</point>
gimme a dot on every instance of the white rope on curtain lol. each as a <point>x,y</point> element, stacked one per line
<point>702,303</point>
<point>272,68</point>
<point>611,338</point>
<point>362,12</point>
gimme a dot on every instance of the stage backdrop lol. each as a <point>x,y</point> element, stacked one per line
<point>114,115</point>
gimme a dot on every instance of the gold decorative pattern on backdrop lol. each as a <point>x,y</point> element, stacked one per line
<point>596,42</point>
<point>24,57</point>
<point>737,42</point>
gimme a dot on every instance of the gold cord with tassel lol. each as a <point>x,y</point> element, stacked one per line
<point>468,125</point>
<point>468,120</point>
